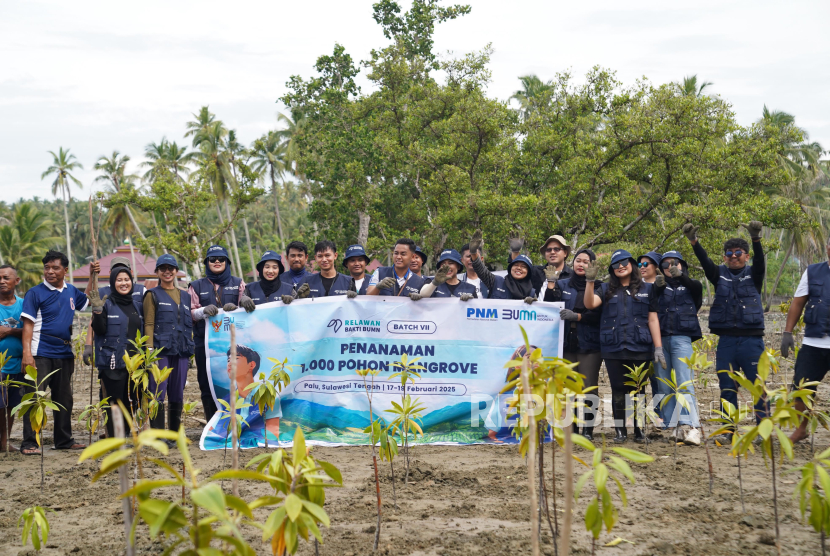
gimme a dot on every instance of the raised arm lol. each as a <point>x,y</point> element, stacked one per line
<point>487,277</point>
<point>591,300</point>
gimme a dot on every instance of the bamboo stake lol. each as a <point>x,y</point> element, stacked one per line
<point>124,481</point>
<point>234,439</point>
<point>565,541</point>
<point>377,488</point>
<point>531,459</point>
<point>92,286</point>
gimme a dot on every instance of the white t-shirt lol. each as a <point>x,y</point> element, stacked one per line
<point>803,290</point>
<point>476,282</point>
<point>359,283</point>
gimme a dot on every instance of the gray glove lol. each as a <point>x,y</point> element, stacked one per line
<point>591,271</point>
<point>210,310</point>
<point>303,291</point>
<point>465,296</point>
<point>516,243</point>
<point>228,307</point>
<point>690,231</point>
<point>787,344</point>
<point>476,241</point>
<point>441,275</point>
<point>95,302</point>
<point>660,281</point>
<point>754,229</point>
<point>660,357</point>
<point>675,271</point>
<point>350,294</point>
<point>551,274</point>
<point>529,300</point>
<point>287,299</point>
<point>415,296</point>
<point>567,314</point>
<point>248,304</point>
<point>387,283</point>
<point>88,354</point>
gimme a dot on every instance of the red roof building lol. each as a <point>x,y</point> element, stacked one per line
<point>143,268</point>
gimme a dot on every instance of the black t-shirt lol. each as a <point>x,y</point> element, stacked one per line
<point>452,288</point>
<point>327,282</point>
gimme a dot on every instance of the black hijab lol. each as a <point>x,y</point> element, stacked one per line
<point>270,286</point>
<point>518,289</point>
<point>117,297</point>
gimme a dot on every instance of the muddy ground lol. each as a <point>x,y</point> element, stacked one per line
<point>460,500</point>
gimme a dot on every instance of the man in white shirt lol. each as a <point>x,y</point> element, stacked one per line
<point>355,261</point>
<point>470,275</point>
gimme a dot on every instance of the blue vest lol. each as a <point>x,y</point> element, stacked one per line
<point>138,293</point>
<point>624,321</point>
<point>173,325</point>
<point>499,291</point>
<point>364,287</point>
<point>288,278</point>
<point>587,334</point>
<point>204,289</point>
<point>255,292</point>
<point>463,287</point>
<point>737,302</point>
<point>340,286</point>
<point>115,341</point>
<point>677,313</point>
<point>817,313</point>
<point>414,284</point>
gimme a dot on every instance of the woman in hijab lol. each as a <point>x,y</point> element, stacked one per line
<point>270,287</point>
<point>516,285</point>
<point>116,319</point>
<point>581,331</point>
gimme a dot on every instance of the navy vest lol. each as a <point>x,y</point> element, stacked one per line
<point>115,341</point>
<point>677,313</point>
<point>173,325</point>
<point>499,291</point>
<point>587,335</point>
<point>138,293</point>
<point>737,302</point>
<point>624,321</point>
<point>204,289</point>
<point>463,287</point>
<point>414,284</point>
<point>255,292</point>
<point>340,286</point>
<point>288,278</point>
<point>364,287</point>
<point>817,313</point>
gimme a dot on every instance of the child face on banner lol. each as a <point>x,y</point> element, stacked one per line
<point>244,373</point>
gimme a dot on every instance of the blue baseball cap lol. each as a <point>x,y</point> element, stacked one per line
<point>675,255</point>
<point>354,251</point>
<point>167,259</point>
<point>621,255</point>
<point>451,255</point>
<point>654,256</point>
<point>521,259</point>
<point>270,256</point>
<point>216,251</point>
<point>420,252</point>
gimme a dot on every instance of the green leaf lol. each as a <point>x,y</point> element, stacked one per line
<point>633,455</point>
<point>211,498</point>
<point>765,428</point>
<point>786,445</point>
<point>332,471</point>
<point>582,442</point>
<point>100,448</point>
<point>317,512</point>
<point>298,451</point>
<point>293,506</point>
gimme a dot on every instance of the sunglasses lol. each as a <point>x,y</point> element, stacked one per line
<point>615,266</point>
<point>643,264</point>
<point>553,250</point>
<point>736,252</point>
<point>216,259</point>
<point>167,268</point>
<point>667,264</point>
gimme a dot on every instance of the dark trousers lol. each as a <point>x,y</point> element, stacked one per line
<point>589,366</point>
<point>739,353</point>
<point>60,386</point>
<point>204,384</point>
<point>811,365</point>
<point>173,387</point>
<point>117,388</point>
<point>622,403</point>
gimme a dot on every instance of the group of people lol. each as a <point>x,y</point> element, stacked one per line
<point>646,312</point>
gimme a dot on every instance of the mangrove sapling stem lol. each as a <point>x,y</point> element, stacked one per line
<point>553,492</point>
<point>708,458</point>
<point>124,482</point>
<point>531,458</point>
<point>184,476</point>
<point>234,439</point>
<point>565,539</point>
<point>775,496</point>
<point>741,485</point>
<point>394,490</point>
<point>377,489</point>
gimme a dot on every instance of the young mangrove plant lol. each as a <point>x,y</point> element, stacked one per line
<point>94,416</point>
<point>408,373</point>
<point>36,404</point>
<point>814,474</point>
<point>678,393</point>
<point>698,363</point>
<point>265,392</point>
<point>375,430</point>
<point>730,419</point>
<point>638,378</point>
<point>34,523</point>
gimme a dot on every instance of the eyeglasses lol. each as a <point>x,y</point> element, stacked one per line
<point>167,268</point>
<point>667,264</point>
<point>643,264</point>
<point>216,259</point>
<point>615,266</point>
<point>553,250</point>
<point>736,252</point>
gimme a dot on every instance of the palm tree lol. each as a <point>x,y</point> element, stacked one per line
<point>166,156</point>
<point>23,240</point>
<point>269,154</point>
<point>63,164</point>
<point>532,93</point>
<point>690,88</point>
<point>200,123</point>
<point>113,173</point>
<point>236,153</point>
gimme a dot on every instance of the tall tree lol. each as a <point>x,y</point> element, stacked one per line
<point>23,240</point>
<point>690,87</point>
<point>201,121</point>
<point>166,155</point>
<point>534,92</point>
<point>237,154</point>
<point>269,155</point>
<point>63,164</point>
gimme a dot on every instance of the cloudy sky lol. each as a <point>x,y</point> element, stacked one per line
<point>102,76</point>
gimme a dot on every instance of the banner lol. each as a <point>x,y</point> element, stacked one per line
<point>462,346</point>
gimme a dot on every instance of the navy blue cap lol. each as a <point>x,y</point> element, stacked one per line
<point>419,251</point>
<point>654,256</point>
<point>450,255</point>
<point>676,255</point>
<point>270,256</point>
<point>354,251</point>
<point>621,255</point>
<point>216,251</point>
<point>167,259</point>
<point>521,259</point>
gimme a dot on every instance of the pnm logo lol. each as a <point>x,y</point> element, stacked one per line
<point>216,324</point>
<point>336,324</point>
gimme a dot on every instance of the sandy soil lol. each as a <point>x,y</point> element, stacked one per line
<point>460,500</point>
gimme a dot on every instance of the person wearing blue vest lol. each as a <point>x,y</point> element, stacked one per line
<point>518,282</point>
<point>446,284</point>
<point>11,334</point>
<point>679,298</point>
<point>649,265</point>
<point>629,331</point>
<point>581,343</point>
<point>116,319</point>
<point>270,287</point>
<point>813,359</point>
<point>355,261</point>
<point>328,281</point>
<point>397,280</point>
<point>470,275</point>
<point>297,260</point>
<point>168,325</point>
<point>418,261</point>
<point>736,315</point>
<point>217,289</point>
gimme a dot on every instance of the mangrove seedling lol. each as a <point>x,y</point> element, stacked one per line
<point>698,363</point>
<point>817,470</point>
<point>679,393</point>
<point>93,416</point>
<point>407,414</point>
<point>375,429</point>
<point>730,419</point>
<point>408,373</point>
<point>34,523</point>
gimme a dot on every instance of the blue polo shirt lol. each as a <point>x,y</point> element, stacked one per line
<point>13,347</point>
<point>53,310</point>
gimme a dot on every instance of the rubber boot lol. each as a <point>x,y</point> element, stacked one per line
<point>588,430</point>
<point>618,410</point>
<point>157,422</point>
<point>174,419</point>
<point>209,407</point>
<point>639,437</point>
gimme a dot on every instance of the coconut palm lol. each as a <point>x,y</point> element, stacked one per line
<point>63,163</point>
<point>200,123</point>
<point>690,88</point>
<point>269,155</point>
<point>113,173</point>
<point>533,92</point>
<point>166,156</point>
<point>23,240</point>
